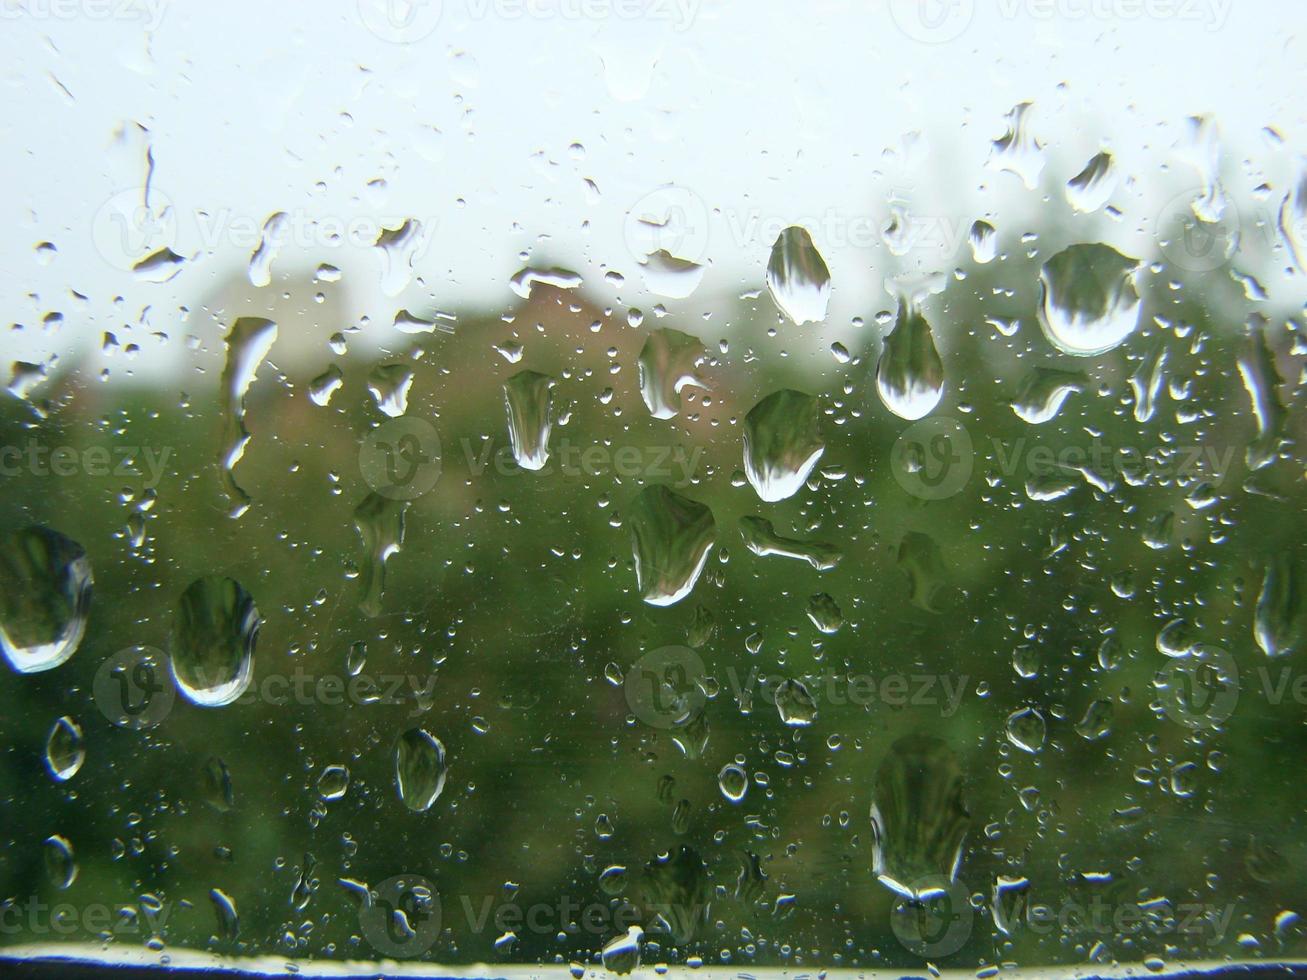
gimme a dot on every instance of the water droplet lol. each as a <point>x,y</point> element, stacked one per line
<point>1043,391</point>
<point>1026,660</point>
<point>918,817</point>
<point>1088,302</point>
<point>795,704</point>
<point>523,280</point>
<point>1017,151</point>
<point>248,344</point>
<point>64,749</point>
<point>325,385</point>
<point>621,954</point>
<point>671,536</point>
<point>760,537</point>
<point>45,596</point>
<point>211,646</point>
<point>224,909</point>
<point>60,864</point>
<point>419,769</point>
<point>399,248</point>
<point>667,364</point>
<point>910,374</point>
<point>1277,620</point>
<point>1293,217</point>
<point>1261,380</point>
<point>797,277</point>
<point>984,242</point>
<point>379,521</point>
<point>159,267</point>
<point>825,613</point>
<point>389,385</point>
<point>669,276</point>
<point>1026,729</point>
<point>270,240</point>
<point>782,443</point>
<point>356,659</point>
<point>733,781</point>
<point>528,398</point>
<point>1146,383</point>
<point>333,782</point>
<point>1089,190</point>
<point>1097,721</point>
<point>412,324</point>
<point>216,779</point>
<point>612,880</point>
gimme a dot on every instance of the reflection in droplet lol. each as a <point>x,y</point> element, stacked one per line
<point>984,242</point>
<point>910,374</point>
<point>45,597</point>
<point>667,364</point>
<point>797,277</point>
<point>528,399</point>
<point>918,817</point>
<point>419,769</point>
<point>733,781</point>
<point>782,443</point>
<point>671,536</point>
<point>211,646</point>
<point>1088,303</point>
<point>248,344</point>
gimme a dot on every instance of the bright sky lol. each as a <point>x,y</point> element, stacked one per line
<point>484,119</point>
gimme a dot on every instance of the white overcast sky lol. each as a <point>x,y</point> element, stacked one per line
<point>767,111</point>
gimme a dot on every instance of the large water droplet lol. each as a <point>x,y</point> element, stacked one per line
<point>1088,302</point>
<point>522,281</point>
<point>984,242</point>
<point>670,276</point>
<point>795,703</point>
<point>248,344</point>
<point>797,277</point>
<point>528,399</point>
<point>910,374</point>
<point>419,769</point>
<point>64,749</point>
<point>668,363</point>
<point>671,536</point>
<point>399,248</point>
<point>918,817</point>
<point>274,233</point>
<point>380,524</point>
<point>45,595</point>
<point>212,642</point>
<point>1293,218</point>
<point>325,385</point>
<point>782,443</point>
<point>825,613</point>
